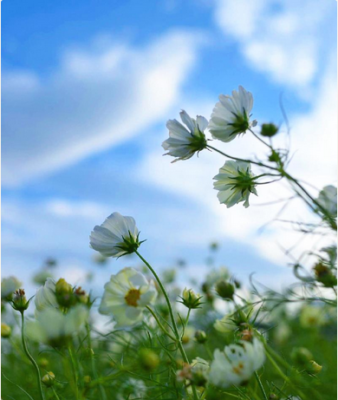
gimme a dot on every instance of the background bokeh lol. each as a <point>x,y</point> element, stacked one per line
<point>87,87</point>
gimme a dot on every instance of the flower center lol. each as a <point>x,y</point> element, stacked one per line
<point>132,297</point>
<point>237,370</point>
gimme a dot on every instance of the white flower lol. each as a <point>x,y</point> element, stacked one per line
<point>185,141</point>
<point>126,295</point>
<point>199,370</point>
<point>116,237</point>
<point>235,182</point>
<point>45,296</point>
<point>51,325</point>
<point>132,389</point>
<point>327,198</point>
<point>225,324</point>
<point>9,286</point>
<point>311,316</point>
<point>236,363</point>
<point>231,116</point>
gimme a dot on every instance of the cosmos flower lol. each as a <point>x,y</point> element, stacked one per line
<point>116,237</point>
<point>185,141</point>
<point>231,115</point>
<point>236,363</point>
<point>45,296</point>
<point>126,295</point>
<point>235,182</point>
<point>54,327</point>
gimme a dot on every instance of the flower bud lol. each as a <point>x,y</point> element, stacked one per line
<point>273,396</point>
<point>201,337</point>
<point>62,287</point>
<point>225,289</point>
<point>246,335</point>
<point>301,355</point>
<point>199,369</point>
<point>269,130</point>
<point>64,293</point>
<point>86,380</point>
<point>43,362</point>
<point>19,301</point>
<point>324,275</point>
<point>313,368</point>
<point>5,330</point>
<point>148,359</point>
<point>81,295</point>
<point>48,379</point>
<point>190,299</point>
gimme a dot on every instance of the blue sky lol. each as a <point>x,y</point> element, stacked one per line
<point>87,89</point>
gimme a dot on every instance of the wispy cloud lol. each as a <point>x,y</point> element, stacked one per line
<point>287,39</point>
<point>96,98</point>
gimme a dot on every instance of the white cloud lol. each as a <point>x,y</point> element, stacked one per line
<point>284,38</point>
<point>95,99</point>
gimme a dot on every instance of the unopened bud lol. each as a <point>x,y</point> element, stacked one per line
<point>269,130</point>
<point>324,275</point>
<point>86,380</point>
<point>148,359</point>
<point>81,295</point>
<point>64,293</point>
<point>313,367</point>
<point>19,301</point>
<point>225,289</point>
<point>201,337</point>
<point>5,330</point>
<point>247,335</point>
<point>43,362</point>
<point>48,379</point>
<point>190,299</point>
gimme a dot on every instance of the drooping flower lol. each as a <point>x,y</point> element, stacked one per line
<point>9,286</point>
<point>116,237</point>
<point>327,198</point>
<point>236,363</point>
<point>231,115</point>
<point>185,141</point>
<point>126,295</point>
<point>45,296</point>
<point>235,182</point>
<point>54,327</point>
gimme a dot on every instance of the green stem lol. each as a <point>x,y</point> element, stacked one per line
<point>261,140</point>
<point>76,379</point>
<point>261,386</point>
<point>172,317</point>
<point>160,324</point>
<point>101,388</point>
<point>242,159</point>
<point>29,355</point>
<point>55,394</point>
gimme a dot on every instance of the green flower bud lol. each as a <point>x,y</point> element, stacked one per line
<point>269,130</point>
<point>190,299</point>
<point>48,379</point>
<point>313,368</point>
<point>64,293</point>
<point>5,330</point>
<point>301,355</point>
<point>43,362</point>
<point>324,275</point>
<point>19,301</point>
<point>148,359</point>
<point>201,337</point>
<point>225,289</point>
<point>86,380</point>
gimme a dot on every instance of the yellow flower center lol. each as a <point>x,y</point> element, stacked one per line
<point>237,370</point>
<point>132,297</point>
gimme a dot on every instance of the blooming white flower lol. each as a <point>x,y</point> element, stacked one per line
<point>126,295</point>
<point>327,198</point>
<point>9,286</point>
<point>235,182</point>
<point>45,296</point>
<point>311,316</point>
<point>225,324</point>
<point>185,141</point>
<point>116,237</point>
<point>52,325</point>
<point>199,370</point>
<point>231,116</point>
<point>236,363</point>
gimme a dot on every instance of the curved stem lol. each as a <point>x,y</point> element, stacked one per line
<point>29,355</point>
<point>260,139</point>
<point>152,312</point>
<point>172,317</point>
<point>55,394</point>
<point>242,159</point>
